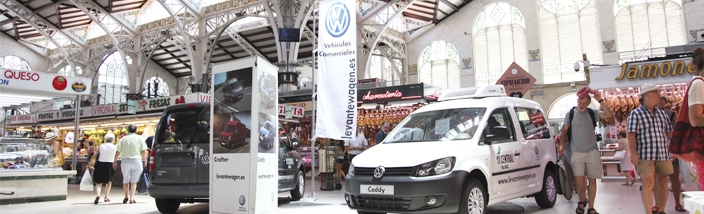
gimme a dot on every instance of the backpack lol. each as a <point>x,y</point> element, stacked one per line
<point>569,130</point>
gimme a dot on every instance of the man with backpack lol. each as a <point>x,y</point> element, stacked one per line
<point>580,130</point>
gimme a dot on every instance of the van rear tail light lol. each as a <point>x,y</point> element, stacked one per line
<point>151,160</point>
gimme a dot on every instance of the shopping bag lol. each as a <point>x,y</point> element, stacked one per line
<point>689,174</point>
<point>687,142</point>
<point>87,182</point>
<point>620,154</point>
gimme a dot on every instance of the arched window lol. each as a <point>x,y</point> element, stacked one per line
<point>568,28</point>
<point>645,27</point>
<point>162,89</point>
<point>112,80</point>
<point>440,65</point>
<point>499,40</point>
<point>13,62</point>
<point>66,70</point>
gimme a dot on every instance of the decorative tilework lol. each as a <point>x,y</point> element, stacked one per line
<point>222,6</point>
<point>80,33</point>
<point>156,24</point>
<point>534,55</point>
<point>693,35</point>
<point>129,17</point>
<point>41,42</point>
<point>608,46</point>
<point>366,6</point>
<point>98,40</point>
<point>467,63</point>
<point>251,25</point>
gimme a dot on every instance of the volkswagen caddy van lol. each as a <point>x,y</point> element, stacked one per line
<point>475,148</point>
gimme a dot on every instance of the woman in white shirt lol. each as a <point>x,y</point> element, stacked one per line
<point>696,104</point>
<point>104,172</point>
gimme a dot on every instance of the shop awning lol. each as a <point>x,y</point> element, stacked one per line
<point>25,87</point>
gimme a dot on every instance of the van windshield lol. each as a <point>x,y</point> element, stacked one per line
<point>184,125</point>
<point>234,85</point>
<point>230,128</point>
<point>440,125</point>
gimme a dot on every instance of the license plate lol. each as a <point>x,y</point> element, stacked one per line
<point>289,161</point>
<point>376,189</point>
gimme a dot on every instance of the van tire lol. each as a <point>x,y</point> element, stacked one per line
<point>548,195</point>
<point>167,205</point>
<point>297,193</point>
<point>474,190</point>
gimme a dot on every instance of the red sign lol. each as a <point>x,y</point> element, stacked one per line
<point>21,75</point>
<point>387,95</point>
<point>297,111</point>
<point>204,98</point>
<point>537,118</point>
<point>104,110</point>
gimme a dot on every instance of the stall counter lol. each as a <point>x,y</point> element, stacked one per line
<point>34,185</point>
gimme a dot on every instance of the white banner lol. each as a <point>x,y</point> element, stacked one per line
<point>637,73</point>
<point>337,89</point>
<point>40,82</point>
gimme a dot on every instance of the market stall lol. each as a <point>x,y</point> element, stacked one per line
<point>620,86</point>
<point>30,165</point>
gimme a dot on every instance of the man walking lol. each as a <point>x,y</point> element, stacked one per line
<point>649,129</point>
<point>133,151</point>
<point>381,135</point>
<point>580,129</point>
<point>356,146</point>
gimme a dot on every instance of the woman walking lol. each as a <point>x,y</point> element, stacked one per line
<point>103,174</point>
<point>696,104</point>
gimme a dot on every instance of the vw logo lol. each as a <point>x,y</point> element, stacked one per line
<point>379,171</point>
<point>205,159</point>
<point>241,200</point>
<point>338,19</point>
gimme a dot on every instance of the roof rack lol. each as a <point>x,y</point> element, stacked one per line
<point>474,92</point>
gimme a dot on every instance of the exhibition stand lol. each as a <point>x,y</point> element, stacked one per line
<point>244,178</point>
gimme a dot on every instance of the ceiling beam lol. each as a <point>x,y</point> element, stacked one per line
<point>464,3</point>
<point>435,14</point>
<point>46,23</point>
<point>176,58</point>
<point>414,16</point>
<point>9,20</point>
<point>418,11</point>
<point>227,52</point>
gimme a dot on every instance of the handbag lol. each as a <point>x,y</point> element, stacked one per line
<point>687,142</point>
<point>91,164</point>
<point>620,154</point>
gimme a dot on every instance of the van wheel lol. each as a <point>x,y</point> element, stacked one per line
<point>546,198</point>
<point>167,205</point>
<point>474,198</point>
<point>298,192</point>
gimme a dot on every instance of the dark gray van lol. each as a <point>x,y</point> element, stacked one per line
<point>180,158</point>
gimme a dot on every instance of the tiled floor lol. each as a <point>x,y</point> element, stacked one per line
<point>612,198</point>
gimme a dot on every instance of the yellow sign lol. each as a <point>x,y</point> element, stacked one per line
<point>653,70</point>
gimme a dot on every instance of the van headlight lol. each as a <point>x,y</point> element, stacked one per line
<point>350,172</point>
<point>436,167</point>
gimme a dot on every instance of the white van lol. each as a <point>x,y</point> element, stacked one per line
<point>475,148</point>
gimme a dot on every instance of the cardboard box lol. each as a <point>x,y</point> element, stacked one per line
<point>694,202</point>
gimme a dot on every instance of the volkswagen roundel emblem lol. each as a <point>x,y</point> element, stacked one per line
<point>242,200</point>
<point>379,171</point>
<point>337,20</point>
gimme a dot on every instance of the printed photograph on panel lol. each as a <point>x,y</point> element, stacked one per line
<point>232,111</point>
<point>267,133</point>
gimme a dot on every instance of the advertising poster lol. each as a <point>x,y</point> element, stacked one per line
<point>268,134</point>
<point>231,130</point>
<point>45,83</point>
<point>337,88</point>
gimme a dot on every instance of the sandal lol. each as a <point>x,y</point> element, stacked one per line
<point>580,207</point>
<point>680,208</point>
<point>107,200</point>
<point>124,201</point>
<point>97,199</point>
<point>133,201</point>
<point>592,211</point>
<point>655,209</point>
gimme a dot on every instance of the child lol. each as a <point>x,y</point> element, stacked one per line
<point>626,165</point>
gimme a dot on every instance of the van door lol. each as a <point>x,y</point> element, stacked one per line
<point>181,145</point>
<point>506,152</point>
<point>535,137</point>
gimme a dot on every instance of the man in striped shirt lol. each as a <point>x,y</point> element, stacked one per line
<point>649,129</point>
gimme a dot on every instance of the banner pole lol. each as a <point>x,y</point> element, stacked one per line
<point>76,135</point>
<point>311,196</point>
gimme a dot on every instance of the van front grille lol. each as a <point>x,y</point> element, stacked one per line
<point>380,202</point>
<point>397,171</point>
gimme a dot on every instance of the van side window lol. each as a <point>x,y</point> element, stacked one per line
<point>499,128</point>
<point>533,124</point>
